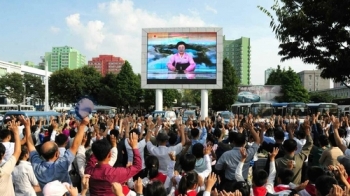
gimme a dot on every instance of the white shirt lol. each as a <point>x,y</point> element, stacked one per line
<point>10,148</point>
<point>6,177</point>
<point>24,179</point>
<point>256,154</point>
<point>20,129</point>
<point>53,135</point>
<point>62,151</point>
<point>162,153</point>
<point>37,138</point>
<point>141,146</point>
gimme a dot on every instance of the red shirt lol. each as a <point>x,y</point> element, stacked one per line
<point>161,177</point>
<point>103,175</point>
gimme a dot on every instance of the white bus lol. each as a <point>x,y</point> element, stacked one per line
<point>241,109</point>
<point>14,107</point>
<point>262,109</point>
<point>109,110</point>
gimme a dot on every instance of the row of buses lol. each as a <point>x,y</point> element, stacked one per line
<point>265,110</point>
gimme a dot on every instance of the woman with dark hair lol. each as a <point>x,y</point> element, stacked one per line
<point>23,177</point>
<point>151,170</point>
<point>155,188</point>
<point>181,61</point>
<point>188,184</point>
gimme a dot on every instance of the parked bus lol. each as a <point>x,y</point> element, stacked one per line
<point>14,107</point>
<point>241,109</point>
<point>343,106</point>
<point>298,109</point>
<point>261,109</point>
<point>108,110</point>
<point>279,109</point>
<point>105,109</point>
<point>323,108</point>
<point>37,115</point>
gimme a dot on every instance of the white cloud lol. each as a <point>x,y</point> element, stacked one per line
<point>120,34</point>
<point>92,33</point>
<point>210,9</point>
<point>54,29</point>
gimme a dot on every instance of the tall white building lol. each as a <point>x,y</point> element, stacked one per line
<point>267,73</point>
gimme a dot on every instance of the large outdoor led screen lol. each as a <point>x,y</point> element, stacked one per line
<point>182,58</point>
<point>178,58</point>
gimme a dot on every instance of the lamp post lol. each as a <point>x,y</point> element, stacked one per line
<point>24,94</point>
<point>46,81</point>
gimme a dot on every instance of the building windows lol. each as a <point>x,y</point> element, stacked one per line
<point>310,77</point>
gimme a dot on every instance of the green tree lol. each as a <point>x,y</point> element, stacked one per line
<point>315,31</point>
<point>34,87</point>
<point>67,86</point>
<point>170,96</point>
<point>108,88</point>
<point>292,88</point>
<point>149,97</point>
<point>128,87</point>
<point>91,81</point>
<point>320,97</point>
<point>11,85</point>
<point>191,96</point>
<point>223,98</point>
<point>274,77</point>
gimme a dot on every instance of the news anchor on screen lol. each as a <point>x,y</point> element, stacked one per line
<point>181,61</point>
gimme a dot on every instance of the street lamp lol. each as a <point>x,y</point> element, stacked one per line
<point>46,81</point>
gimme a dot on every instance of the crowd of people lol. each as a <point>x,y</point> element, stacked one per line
<point>126,155</point>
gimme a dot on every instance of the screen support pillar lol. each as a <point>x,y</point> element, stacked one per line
<point>159,100</point>
<point>204,104</point>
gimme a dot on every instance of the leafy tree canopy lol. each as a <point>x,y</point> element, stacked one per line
<point>315,31</point>
<point>34,87</point>
<point>12,85</point>
<point>292,88</point>
<point>225,97</point>
<point>170,96</point>
<point>128,86</point>
<point>320,97</point>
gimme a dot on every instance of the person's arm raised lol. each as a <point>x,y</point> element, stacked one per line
<point>26,123</point>
<point>15,131</point>
<point>79,136</point>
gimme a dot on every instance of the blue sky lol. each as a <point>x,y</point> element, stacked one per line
<point>31,28</point>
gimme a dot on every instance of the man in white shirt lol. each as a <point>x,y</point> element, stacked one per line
<point>141,146</point>
<point>61,140</point>
<point>162,151</point>
<point>5,136</point>
<point>6,168</point>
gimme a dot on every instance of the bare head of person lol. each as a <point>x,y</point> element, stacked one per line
<point>49,151</point>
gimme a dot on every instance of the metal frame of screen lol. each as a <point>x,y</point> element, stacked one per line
<point>182,84</point>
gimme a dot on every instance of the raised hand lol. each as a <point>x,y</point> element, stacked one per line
<point>133,140</point>
<point>274,153</point>
<point>24,121</point>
